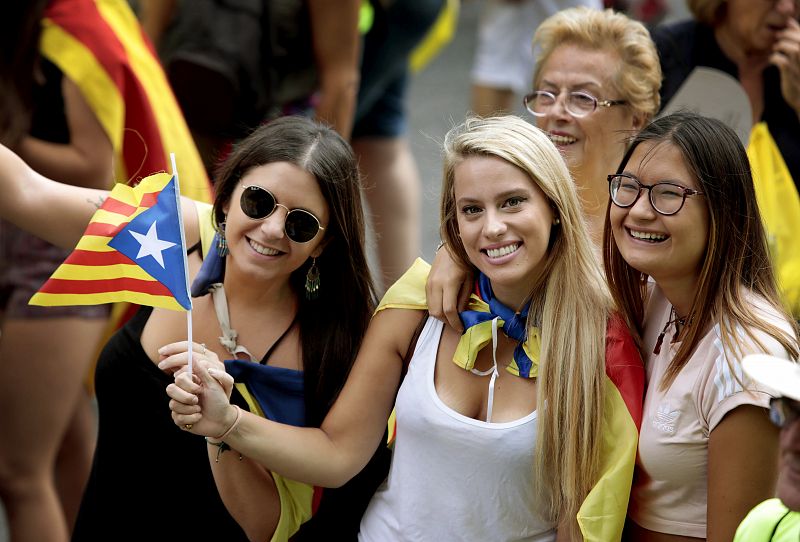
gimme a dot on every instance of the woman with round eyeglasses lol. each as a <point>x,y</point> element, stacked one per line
<point>282,292</point>
<point>687,261</point>
<point>757,42</point>
<point>596,83</point>
<point>667,198</point>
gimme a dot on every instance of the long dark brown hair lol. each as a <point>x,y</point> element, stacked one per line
<point>333,325</point>
<point>736,259</point>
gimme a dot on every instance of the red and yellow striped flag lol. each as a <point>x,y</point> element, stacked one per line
<point>100,46</point>
<point>603,512</point>
<point>132,251</point>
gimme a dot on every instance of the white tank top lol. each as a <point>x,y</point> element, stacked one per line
<point>452,477</point>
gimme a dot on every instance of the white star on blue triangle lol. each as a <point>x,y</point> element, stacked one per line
<point>151,245</point>
<point>152,240</point>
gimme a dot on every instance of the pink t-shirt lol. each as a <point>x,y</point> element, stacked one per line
<point>670,493</point>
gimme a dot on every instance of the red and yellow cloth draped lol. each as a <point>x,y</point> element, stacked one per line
<point>100,46</point>
<point>602,516</point>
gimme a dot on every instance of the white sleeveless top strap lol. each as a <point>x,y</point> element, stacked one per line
<point>493,371</point>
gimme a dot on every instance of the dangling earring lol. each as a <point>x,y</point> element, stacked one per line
<point>556,221</point>
<point>312,281</point>
<point>222,243</point>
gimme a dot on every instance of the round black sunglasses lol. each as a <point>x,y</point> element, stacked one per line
<point>300,226</point>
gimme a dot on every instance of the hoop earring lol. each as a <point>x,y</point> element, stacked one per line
<point>222,243</point>
<point>312,281</point>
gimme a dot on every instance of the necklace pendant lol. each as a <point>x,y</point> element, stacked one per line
<point>657,349</point>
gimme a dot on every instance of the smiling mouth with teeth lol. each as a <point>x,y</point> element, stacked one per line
<point>264,251</point>
<point>502,251</point>
<point>561,140</point>
<point>648,236</point>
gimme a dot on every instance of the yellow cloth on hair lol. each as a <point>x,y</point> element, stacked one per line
<point>779,204</point>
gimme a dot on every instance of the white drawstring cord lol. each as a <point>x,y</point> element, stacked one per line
<point>493,371</point>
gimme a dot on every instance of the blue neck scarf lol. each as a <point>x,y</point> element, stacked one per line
<point>477,320</point>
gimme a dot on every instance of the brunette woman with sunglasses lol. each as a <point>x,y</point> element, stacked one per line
<point>499,431</point>
<point>283,293</point>
<point>687,262</point>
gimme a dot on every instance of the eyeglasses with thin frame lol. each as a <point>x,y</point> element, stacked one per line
<point>578,103</point>
<point>300,226</point>
<point>783,411</point>
<point>667,198</point>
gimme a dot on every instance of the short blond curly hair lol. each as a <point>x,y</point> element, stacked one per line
<point>639,79</point>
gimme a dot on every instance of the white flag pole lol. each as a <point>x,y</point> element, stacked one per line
<point>185,259</point>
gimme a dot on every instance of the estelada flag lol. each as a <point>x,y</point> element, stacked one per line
<point>131,251</point>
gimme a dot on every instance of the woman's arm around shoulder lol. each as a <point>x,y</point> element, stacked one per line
<point>448,288</point>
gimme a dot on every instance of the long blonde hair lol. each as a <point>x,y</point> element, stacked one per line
<point>571,301</point>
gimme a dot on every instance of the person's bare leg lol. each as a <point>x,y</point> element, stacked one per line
<point>392,189</point>
<point>42,368</point>
<point>74,460</point>
<point>487,101</point>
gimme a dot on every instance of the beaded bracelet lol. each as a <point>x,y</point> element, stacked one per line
<point>222,447</point>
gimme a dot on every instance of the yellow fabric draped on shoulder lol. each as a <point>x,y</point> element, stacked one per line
<point>779,204</point>
<point>602,515</point>
<point>409,290</point>
<point>296,497</point>
<point>409,293</point>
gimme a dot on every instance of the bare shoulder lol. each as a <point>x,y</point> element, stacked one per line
<point>395,328</point>
<point>163,327</point>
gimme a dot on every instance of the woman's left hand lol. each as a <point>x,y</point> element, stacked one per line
<point>174,357</point>
<point>200,402</point>
<point>786,56</point>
